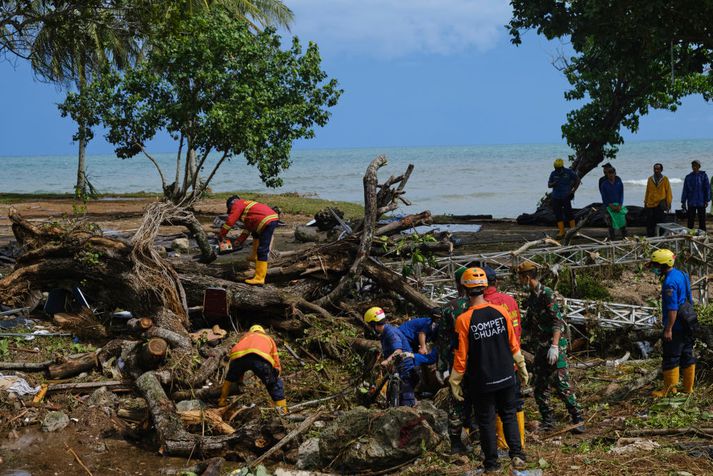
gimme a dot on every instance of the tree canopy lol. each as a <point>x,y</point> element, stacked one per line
<point>629,57</point>
<point>215,86</point>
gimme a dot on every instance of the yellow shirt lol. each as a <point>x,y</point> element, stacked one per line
<point>656,193</point>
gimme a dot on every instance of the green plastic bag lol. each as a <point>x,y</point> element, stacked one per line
<point>618,219</point>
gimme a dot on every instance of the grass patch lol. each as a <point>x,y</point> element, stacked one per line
<point>296,204</point>
<point>589,286</point>
<point>290,203</point>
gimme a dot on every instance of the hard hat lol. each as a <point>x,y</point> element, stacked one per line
<point>526,266</point>
<point>559,163</point>
<point>257,328</point>
<point>490,273</point>
<point>229,202</point>
<point>663,256</point>
<point>474,278</point>
<point>374,315</point>
<point>459,273</point>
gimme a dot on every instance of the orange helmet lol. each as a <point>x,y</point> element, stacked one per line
<point>474,278</point>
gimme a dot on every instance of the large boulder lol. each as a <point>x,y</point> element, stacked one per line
<point>366,439</point>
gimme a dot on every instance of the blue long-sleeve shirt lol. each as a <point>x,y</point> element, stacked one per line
<point>696,189</point>
<point>563,181</point>
<point>411,329</point>
<point>612,192</point>
<point>392,339</point>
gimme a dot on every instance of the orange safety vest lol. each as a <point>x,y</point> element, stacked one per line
<point>259,344</point>
<point>254,215</point>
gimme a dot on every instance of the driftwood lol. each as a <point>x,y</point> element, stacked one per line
<point>290,436</point>
<point>370,217</point>
<point>73,366</point>
<point>113,385</point>
<point>405,223</point>
<point>393,281</point>
<point>26,366</point>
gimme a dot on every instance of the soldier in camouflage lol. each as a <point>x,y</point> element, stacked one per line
<point>545,330</point>
<point>446,341</point>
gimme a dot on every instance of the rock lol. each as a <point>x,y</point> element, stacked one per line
<point>55,421</point>
<point>363,439</point>
<point>309,234</point>
<point>102,398</point>
<point>308,454</point>
<point>188,405</point>
<point>180,245</point>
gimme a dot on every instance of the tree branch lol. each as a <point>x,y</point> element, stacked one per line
<point>153,161</point>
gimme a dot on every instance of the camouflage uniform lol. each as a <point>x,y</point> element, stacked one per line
<point>543,319</point>
<point>446,342</point>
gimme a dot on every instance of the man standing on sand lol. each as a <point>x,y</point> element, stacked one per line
<point>695,195</point>
<point>612,191</point>
<point>563,182</point>
<point>545,330</point>
<point>657,200</point>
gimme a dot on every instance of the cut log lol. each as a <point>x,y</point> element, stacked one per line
<point>199,417</point>
<point>405,223</point>
<point>152,353</point>
<point>140,325</point>
<point>175,339</point>
<point>73,367</point>
<point>213,362</point>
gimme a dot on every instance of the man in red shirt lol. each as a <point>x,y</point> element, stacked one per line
<point>508,302</point>
<point>487,348</point>
<point>259,220</point>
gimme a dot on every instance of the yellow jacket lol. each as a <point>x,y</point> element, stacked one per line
<point>656,193</point>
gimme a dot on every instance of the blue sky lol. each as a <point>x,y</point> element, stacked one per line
<point>415,73</point>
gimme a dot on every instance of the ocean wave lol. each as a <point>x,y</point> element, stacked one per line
<point>642,182</point>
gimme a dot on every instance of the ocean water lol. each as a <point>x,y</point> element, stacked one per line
<point>501,180</point>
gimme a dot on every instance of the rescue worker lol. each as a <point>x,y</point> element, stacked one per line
<point>677,339</point>
<point>487,348</point>
<point>545,330</point>
<point>508,302</point>
<point>418,331</point>
<point>446,343</point>
<point>564,182</point>
<point>395,349</point>
<point>256,351</point>
<point>259,220</point>
<point>695,195</point>
<point>657,200</point>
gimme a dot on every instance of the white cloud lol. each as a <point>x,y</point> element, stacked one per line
<point>396,28</point>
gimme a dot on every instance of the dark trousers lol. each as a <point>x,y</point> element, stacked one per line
<point>503,402</point>
<point>654,215</point>
<point>701,212</point>
<point>562,208</point>
<point>262,369</point>
<point>265,237</point>
<point>409,381</point>
<point>678,352</point>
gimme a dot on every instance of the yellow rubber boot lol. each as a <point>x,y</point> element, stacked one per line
<point>572,224</point>
<point>281,406</point>
<point>224,392</point>
<point>260,273</point>
<point>689,378</point>
<point>560,227</point>
<point>502,444</point>
<point>670,380</point>
<point>253,253</point>
<point>521,427</point>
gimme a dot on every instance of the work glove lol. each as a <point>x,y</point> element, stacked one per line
<point>521,368</point>
<point>553,354</point>
<point>454,381</point>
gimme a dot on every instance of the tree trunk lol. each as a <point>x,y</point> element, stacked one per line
<point>80,189</point>
<point>73,366</point>
<point>199,234</point>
